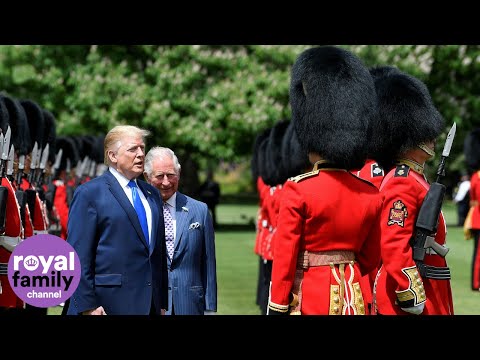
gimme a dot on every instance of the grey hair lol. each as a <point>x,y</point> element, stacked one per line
<point>160,152</point>
<point>113,140</point>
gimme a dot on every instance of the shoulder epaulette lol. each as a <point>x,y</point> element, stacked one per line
<point>307,175</point>
<point>402,170</point>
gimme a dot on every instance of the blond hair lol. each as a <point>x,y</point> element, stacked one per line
<point>114,138</point>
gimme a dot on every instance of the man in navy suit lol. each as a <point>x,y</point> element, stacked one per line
<point>124,270</point>
<point>192,276</point>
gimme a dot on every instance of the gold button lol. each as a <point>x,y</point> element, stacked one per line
<point>336,299</point>
<point>335,291</point>
<point>335,308</point>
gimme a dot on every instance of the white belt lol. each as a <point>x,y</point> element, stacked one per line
<point>9,242</point>
<point>39,232</point>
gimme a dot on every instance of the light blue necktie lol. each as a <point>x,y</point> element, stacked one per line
<point>139,208</point>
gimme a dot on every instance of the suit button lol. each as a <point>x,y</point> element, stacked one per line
<point>149,283</point>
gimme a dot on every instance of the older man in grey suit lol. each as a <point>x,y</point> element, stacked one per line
<point>189,236</point>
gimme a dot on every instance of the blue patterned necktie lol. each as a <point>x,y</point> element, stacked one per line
<point>167,217</point>
<point>139,208</point>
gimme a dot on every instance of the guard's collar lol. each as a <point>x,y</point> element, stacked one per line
<point>415,166</point>
<point>324,164</point>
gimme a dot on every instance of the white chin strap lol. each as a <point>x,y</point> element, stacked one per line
<point>426,149</point>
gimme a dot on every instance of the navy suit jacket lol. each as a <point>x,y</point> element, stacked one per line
<point>192,272</point>
<point>119,270</point>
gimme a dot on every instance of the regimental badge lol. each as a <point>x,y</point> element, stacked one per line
<point>398,214</point>
<point>377,170</point>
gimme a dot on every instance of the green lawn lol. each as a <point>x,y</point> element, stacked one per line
<point>237,265</point>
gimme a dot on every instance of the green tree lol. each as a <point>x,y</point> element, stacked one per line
<point>208,102</point>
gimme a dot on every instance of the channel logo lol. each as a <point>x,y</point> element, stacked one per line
<point>44,270</point>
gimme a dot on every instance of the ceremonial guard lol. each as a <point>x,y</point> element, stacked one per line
<point>411,125</point>
<point>329,232</point>
<point>11,229</point>
<point>472,222</point>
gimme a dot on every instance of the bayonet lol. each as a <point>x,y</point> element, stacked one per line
<point>11,155</point>
<point>84,167</point>
<point>33,157</point>
<point>93,167</point>
<point>5,150</point>
<point>446,151</point>
<point>68,167</point>
<point>33,163</point>
<point>6,144</point>
<point>2,138</point>
<point>58,159</point>
<point>78,169</point>
<point>449,140</point>
<point>43,161</point>
<point>21,166</point>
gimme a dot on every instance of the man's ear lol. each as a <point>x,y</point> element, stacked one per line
<point>112,156</point>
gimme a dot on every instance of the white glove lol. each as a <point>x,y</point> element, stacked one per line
<point>415,310</point>
<point>209,312</point>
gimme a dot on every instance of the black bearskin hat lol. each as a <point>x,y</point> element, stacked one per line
<point>19,125</point>
<point>4,116</point>
<point>36,123</point>
<point>294,156</point>
<point>69,151</point>
<point>332,95</point>
<point>407,114</point>
<point>254,164</point>
<point>471,149</point>
<point>276,173</point>
<point>264,169</point>
<point>375,143</point>
<point>98,153</point>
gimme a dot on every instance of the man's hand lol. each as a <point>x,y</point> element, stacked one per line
<point>98,311</point>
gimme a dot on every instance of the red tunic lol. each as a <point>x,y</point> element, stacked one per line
<point>60,204</point>
<point>40,220</point>
<point>398,278</point>
<point>13,234</point>
<point>475,196</point>
<point>372,172</point>
<point>262,222</point>
<point>321,211</point>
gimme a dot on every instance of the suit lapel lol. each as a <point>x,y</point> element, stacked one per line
<point>122,199</point>
<point>155,214</point>
<point>182,216</point>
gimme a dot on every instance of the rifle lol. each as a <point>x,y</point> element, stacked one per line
<point>427,221</point>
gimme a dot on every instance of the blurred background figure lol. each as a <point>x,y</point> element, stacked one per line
<point>462,198</point>
<point>471,148</point>
<point>209,193</point>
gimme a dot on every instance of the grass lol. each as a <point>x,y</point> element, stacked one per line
<point>237,265</point>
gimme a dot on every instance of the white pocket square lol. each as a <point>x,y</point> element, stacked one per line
<point>194,225</point>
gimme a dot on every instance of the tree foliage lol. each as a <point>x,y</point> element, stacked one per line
<point>210,101</point>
